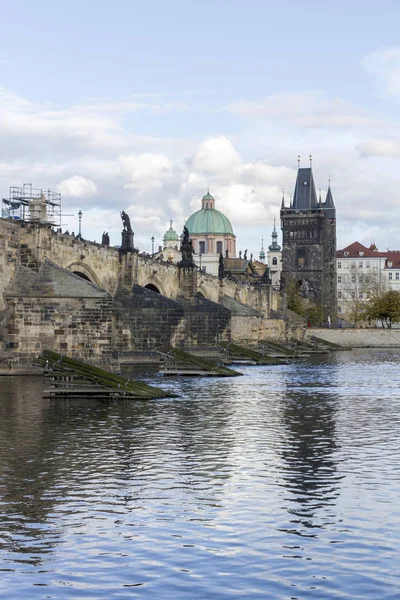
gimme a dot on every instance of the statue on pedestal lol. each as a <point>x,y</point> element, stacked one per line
<point>221,269</point>
<point>127,233</point>
<point>187,251</point>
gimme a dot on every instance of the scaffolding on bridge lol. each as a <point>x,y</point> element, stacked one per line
<point>33,205</point>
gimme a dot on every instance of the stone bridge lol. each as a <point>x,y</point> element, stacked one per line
<point>109,268</point>
<point>94,302</point>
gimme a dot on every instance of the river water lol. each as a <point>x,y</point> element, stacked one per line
<point>283,483</point>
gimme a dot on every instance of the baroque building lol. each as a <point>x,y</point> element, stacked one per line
<point>309,244</point>
<point>211,234</point>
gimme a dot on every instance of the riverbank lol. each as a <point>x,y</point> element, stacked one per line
<point>359,338</point>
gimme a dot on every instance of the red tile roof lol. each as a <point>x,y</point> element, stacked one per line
<point>354,249</point>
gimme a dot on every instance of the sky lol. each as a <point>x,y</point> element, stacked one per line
<point>143,106</point>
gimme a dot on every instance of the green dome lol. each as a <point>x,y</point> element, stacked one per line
<point>208,197</point>
<point>208,220</point>
<point>171,235</point>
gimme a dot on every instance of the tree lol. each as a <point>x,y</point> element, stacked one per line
<point>294,302</point>
<point>385,309</point>
<point>359,290</point>
<point>302,306</point>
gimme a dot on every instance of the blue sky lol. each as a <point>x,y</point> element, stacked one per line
<point>142,106</point>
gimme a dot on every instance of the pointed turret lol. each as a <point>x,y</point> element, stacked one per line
<point>329,206</point>
<point>262,253</point>
<point>274,246</point>
<point>305,196</point>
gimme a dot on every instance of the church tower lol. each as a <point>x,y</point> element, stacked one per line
<point>309,243</point>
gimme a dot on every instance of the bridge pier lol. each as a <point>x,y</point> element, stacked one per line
<point>187,278</point>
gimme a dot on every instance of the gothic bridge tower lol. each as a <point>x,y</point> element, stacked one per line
<point>309,244</point>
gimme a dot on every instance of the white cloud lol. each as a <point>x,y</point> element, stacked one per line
<point>384,65</point>
<point>145,171</point>
<point>94,154</point>
<point>389,147</point>
<point>77,187</point>
<point>216,154</point>
<point>311,110</point>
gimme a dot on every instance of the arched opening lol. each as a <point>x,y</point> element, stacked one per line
<point>82,275</point>
<point>152,287</point>
<point>274,261</point>
<point>200,295</point>
<point>85,272</point>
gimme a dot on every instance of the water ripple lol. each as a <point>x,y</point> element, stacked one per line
<point>283,483</point>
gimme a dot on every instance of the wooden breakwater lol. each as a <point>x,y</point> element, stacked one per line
<point>175,361</point>
<point>69,377</point>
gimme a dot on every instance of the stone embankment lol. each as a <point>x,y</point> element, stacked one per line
<point>360,338</point>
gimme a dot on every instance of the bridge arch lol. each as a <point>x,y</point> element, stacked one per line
<point>84,271</point>
<point>154,284</point>
<point>152,287</point>
<point>202,292</point>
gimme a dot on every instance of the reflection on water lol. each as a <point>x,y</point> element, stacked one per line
<point>283,483</point>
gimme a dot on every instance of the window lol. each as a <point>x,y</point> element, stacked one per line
<point>301,257</point>
<point>353,294</point>
<point>361,253</point>
<point>219,247</point>
<point>353,265</point>
<point>339,265</point>
<point>202,247</point>
<point>339,294</point>
<point>339,279</point>
<point>339,309</point>
<point>274,261</point>
<point>397,276</point>
<point>353,279</point>
<point>346,253</point>
<point>368,265</point>
<point>360,265</point>
<point>390,275</point>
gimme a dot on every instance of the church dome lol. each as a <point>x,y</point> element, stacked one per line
<point>171,235</point>
<point>209,219</point>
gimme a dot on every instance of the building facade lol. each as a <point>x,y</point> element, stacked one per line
<point>309,244</point>
<point>360,269</point>
<point>274,259</point>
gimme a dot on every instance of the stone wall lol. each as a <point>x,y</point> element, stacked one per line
<point>205,324</point>
<point>78,327</point>
<point>144,320</point>
<point>9,254</point>
<point>57,310</point>
<point>360,338</point>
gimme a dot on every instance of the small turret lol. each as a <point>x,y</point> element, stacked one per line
<point>262,253</point>
<point>274,247</point>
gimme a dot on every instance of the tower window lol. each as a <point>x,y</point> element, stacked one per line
<point>219,247</point>
<point>301,257</point>
<point>274,261</point>
<point>202,247</point>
